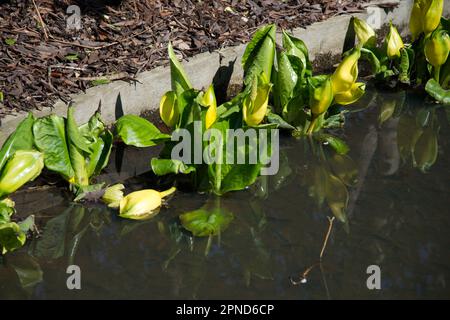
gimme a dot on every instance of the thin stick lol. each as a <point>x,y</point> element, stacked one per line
<point>330,220</point>
<point>303,276</point>
<point>41,21</point>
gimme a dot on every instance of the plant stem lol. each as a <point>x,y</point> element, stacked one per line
<point>218,184</point>
<point>437,73</point>
<point>312,125</point>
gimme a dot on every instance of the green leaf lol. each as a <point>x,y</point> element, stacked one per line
<point>10,41</point>
<point>259,54</point>
<point>337,144</point>
<point>74,135</point>
<point>20,139</point>
<point>286,80</point>
<point>28,270</point>
<point>179,79</point>
<point>370,56</point>
<point>99,82</point>
<point>404,66</point>
<point>206,222</point>
<point>445,24</point>
<point>93,128</point>
<point>162,167</point>
<point>91,192</point>
<point>239,177</point>
<point>71,57</point>
<point>445,75</point>
<point>138,132</point>
<point>50,139</point>
<point>5,213</point>
<point>101,150</point>
<point>437,92</point>
<point>189,108</point>
<point>279,121</point>
<point>27,224</point>
<point>51,244</point>
<point>11,237</point>
<point>1,96</point>
<point>297,48</point>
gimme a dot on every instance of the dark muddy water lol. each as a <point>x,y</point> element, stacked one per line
<point>392,187</point>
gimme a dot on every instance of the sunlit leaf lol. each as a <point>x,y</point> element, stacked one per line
<point>437,92</point>
<point>166,166</point>
<point>20,139</point>
<point>138,132</point>
<point>50,138</point>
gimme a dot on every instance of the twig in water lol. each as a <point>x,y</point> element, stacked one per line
<point>303,276</point>
<point>330,220</point>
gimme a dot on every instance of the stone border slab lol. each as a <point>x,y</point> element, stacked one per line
<point>118,98</point>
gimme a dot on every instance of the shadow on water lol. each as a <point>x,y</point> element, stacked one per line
<point>389,189</point>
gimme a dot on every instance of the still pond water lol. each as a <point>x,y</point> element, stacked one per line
<point>398,218</point>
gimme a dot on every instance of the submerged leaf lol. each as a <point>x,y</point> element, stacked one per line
<point>206,222</point>
<point>337,144</point>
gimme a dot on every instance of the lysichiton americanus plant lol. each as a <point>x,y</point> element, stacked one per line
<point>196,148</point>
<point>424,63</point>
<point>76,152</point>
<point>302,99</point>
<point>19,164</point>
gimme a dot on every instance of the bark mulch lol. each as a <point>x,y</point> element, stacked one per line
<point>41,61</point>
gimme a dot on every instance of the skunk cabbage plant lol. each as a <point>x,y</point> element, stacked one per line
<point>77,153</point>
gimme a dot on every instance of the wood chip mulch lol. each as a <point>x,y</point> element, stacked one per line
<point>41,60</point>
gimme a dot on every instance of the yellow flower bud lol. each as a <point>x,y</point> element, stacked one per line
<point>321,98</point>
<point>415,21</point>
<point>432,15</point>
<point>113,195</point>
<point>364,32</point>
<point>346,73</point>
<point>437,48</point>
<point>22,167</point>
<point>351,96</point>
<point>142,204</point>
<point>255,105</point>
<point>168,109</point>
<point>394,43</point>
<point>209,100</point>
